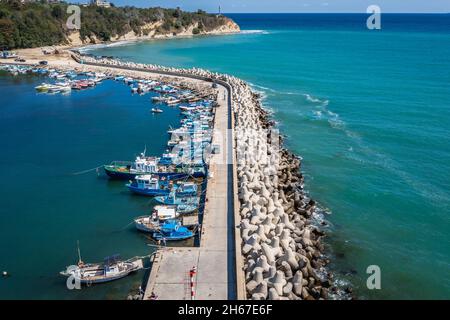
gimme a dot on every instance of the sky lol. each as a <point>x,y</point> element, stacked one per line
<point>307,6</point>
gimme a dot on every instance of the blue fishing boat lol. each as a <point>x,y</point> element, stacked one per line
<point>127,170</point>
<point>150,185</point>
<point>153,222</point>
<point>186,208</point>
<point>167,159</point>
<point>173,199</point>
<point>186,189</point>
<point>172,230</point>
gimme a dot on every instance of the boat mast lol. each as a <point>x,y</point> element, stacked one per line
<point>79,254</point>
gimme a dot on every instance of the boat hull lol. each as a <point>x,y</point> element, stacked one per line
<point>141,227</point>
<point>114,173</point>
<point>121,174</point>
<point>148,192</point>
<point>180,237</point>
<point>109,279</point>
<point>186,201</point>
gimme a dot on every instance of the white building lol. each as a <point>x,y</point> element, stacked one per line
<point>101,3</point>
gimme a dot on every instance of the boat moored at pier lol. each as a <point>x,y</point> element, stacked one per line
<point>126,170</point>
<point>172,230</point>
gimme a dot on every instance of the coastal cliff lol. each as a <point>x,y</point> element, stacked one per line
<point>154,30</point>
<point>31,25</point>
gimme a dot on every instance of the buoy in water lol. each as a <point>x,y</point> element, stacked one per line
<point>5,273</point>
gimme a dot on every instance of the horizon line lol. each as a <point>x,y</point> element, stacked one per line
<point>329,13</point>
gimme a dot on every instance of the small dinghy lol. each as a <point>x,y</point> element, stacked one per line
<point>157,110</point>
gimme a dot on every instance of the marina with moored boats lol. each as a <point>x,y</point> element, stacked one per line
<point>177,179</point>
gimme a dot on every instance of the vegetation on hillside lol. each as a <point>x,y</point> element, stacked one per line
<point>37,24</point>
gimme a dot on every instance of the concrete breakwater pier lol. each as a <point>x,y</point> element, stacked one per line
<point>257,239</point>
<point>283,256</point>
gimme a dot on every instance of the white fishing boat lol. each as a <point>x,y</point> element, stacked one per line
<point>128,80</point>
<point>172,101</point>
<point>157,110</point>
<point>112,268</point>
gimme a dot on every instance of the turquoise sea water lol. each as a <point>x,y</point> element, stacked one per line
<point>369,111</point>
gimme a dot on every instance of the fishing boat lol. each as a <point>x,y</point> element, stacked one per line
<point>76,86</point>
<point>172,101</point>
<point>59,88</point>
<point>148,224</point>
<point>158,99</point>
<point>172,230</point>
<point>150,185</point>
<point>153,222</point>
<point>129,80</point>
<point>111,269</point>
<point>188,108</point>
<point>186,189</point>
<point>157,110</point>
<point>126,170</point>
<point>165,212</point>
<point>43,87</point>
<point>167,159</point>
<point>173,199</point>
<point>186,208</point>
<point>143,88</point>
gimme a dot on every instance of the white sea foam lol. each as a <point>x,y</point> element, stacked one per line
<point>254,32</point>
<point>91,47</point>
<point>259,89</point>
<point>312,99</point>
<point>317,114</point>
